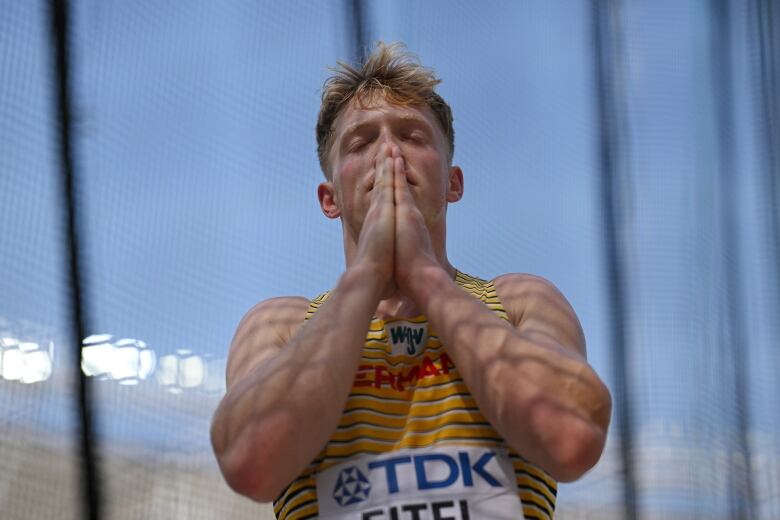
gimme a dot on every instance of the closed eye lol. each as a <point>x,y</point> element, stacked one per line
<point>357,143</point>
<point>416,137</point>
<point>356,146</point>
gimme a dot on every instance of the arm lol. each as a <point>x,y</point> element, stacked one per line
<point>286,388</point>
<point>530,377</point>
<point>282,404</point>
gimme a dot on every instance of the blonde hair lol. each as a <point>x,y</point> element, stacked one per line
<point>389,71</point>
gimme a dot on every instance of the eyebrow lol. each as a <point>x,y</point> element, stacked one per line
<point>406,117</point>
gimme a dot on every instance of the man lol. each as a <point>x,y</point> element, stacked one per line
<point>410,390</point>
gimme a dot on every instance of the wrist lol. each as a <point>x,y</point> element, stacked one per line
<point>425,282</point>
<point>364,278</point>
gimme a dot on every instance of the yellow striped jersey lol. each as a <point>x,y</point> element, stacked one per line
<point>411,443</point>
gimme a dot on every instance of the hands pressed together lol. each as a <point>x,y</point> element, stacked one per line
<point>394,240</point>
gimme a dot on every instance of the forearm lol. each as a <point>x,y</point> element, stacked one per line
<point>275,420</point>
<point>544,399</point>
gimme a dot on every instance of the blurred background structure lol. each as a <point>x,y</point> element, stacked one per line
<point>627,151</point>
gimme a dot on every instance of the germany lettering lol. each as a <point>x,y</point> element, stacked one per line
<point>380,376</point>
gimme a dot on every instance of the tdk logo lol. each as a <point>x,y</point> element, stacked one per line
<point>447,469</point>
<point>351,487</point>
<point>433,483</point>
<point>407,337</point>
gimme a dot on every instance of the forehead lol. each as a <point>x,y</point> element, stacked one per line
<point>354,115</point>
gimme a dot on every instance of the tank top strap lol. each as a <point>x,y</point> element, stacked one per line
<point>483,290</point>
<point>315,303</point>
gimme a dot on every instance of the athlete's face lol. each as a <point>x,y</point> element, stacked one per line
<point>358,134</point>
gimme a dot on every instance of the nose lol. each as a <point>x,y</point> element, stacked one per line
<point>389,139</point>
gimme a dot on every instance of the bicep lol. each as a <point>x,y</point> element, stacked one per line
<point>262,333</point>
<point>540,311</point>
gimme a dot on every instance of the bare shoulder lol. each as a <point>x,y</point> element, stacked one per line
<point>262,332</point>
<point>537,307</point>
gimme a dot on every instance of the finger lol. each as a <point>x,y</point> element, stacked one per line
<point>403,193</point>
<point>379,167</point>
<point>386,181</point>
<point>383,181</point>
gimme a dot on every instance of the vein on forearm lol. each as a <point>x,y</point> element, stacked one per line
<point>295,397</point>
<point>513,376</point>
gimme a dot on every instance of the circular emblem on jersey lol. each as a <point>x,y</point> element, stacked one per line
<point>351,487</point>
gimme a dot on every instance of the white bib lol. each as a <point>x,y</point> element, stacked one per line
<point>442,483</point>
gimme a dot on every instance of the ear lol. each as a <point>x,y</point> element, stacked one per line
<point>326,193</point>
<point>455,189</point>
